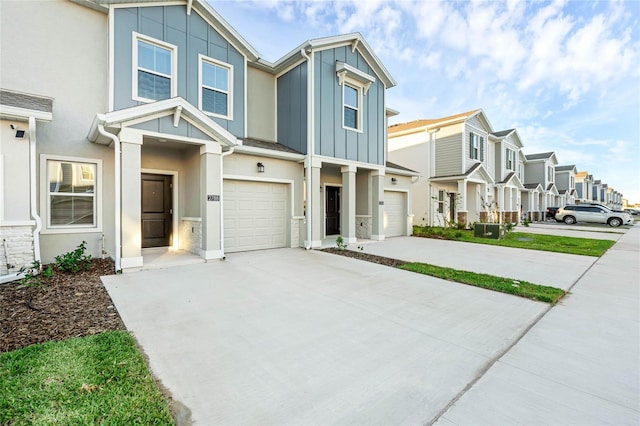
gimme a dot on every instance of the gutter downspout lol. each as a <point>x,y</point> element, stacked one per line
<point>117,191</point>
<point>432,172</point>
<point>32,177</point>
<point>310,141</point>
<point>224,154</point>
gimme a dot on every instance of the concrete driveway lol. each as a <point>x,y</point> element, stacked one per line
<point>304,337</point>
<point>538,267</point>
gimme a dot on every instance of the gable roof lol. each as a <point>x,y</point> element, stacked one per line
<point>391,165</point>
<point>432,123</point>
<point>566,168</point>
<point>513,179</point>
<point>540,156</point>
<point>476,168</point>
<point>177,106</point>
<point>201,6</point>
<point>354,39</point>
<point>581,174</point>
<point>503,133</point>
<point>533,186</point>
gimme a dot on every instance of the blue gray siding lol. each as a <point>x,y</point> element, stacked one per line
<point>331,139</point>
<point>579,190</point>
<point>193,36</point>
<point>292,108</point>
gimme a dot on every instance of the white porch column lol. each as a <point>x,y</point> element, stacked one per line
<point>501,204</point>
<point>462,215</point>
<point>318,208</point>
<point>210,206</point>
<point>377,205</point>
<point>348,204</point>
<point>131,206</point>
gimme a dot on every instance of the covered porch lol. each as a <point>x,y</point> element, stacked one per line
<point>168,161</point>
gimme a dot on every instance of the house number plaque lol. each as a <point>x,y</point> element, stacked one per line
<point>213,198</point>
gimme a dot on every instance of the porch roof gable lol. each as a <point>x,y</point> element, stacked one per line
<point>177,106</point>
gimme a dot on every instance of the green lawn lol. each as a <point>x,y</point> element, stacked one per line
<point>503,285</point>
<point>100,379</point>
<point>570,245</point>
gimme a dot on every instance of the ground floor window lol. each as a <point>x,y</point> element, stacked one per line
<point>71,192</point>
<point>441,200</point>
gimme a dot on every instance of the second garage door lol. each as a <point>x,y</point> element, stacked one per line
<point>394,213</point>
<point>255,215</point>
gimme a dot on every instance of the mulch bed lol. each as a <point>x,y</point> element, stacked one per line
<point>60,307</point>
<point>360,255</point>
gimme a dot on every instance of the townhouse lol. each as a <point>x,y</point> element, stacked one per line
<point>470,172</point>
<point>162,127</point>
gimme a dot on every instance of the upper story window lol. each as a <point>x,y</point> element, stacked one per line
<point>511,159</point>
<point>355,84</point>
<point>154,69</point>
<point>550,173</point>
<point>476,146</point>
<point>71,196</point>
<point>215,94</point>
<point>572,182</point>
<point>351,107</point>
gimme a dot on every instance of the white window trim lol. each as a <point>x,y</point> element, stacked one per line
<point>477,141</point>
<point>202,58</point>
<point>359,87</point>
<point>45,196</point>
<point>134,65</point>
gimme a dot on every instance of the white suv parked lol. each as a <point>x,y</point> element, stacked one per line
<point>591,213</point>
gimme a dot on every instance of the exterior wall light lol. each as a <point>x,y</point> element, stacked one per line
<point>394,181</point>
<point>19,133</point>
<point>260,168</point>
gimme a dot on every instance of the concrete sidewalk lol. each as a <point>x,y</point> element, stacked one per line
<point>538,267</point>
<point>579,230</point>
<point>579,365</point>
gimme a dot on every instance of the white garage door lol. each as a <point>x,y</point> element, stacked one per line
<point>255,215</point>
<point>394,213</point>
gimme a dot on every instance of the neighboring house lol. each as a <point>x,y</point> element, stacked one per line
<point>160,126</point>
<point>584,186</point>
<point>456,158</point>
<point>566,183</point>
<point>507,173</point>
<point>596,191</point>
<point>540,169</point>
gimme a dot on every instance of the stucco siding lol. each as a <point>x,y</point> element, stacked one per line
<point>292,108</point>
<point>261,98</point>
<point>331,138</point>
<point>76,78</point>
<point>449,154</point>
<point>192,36</point>
<point>14,166</point>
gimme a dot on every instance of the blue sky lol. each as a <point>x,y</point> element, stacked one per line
<point>566,74</point>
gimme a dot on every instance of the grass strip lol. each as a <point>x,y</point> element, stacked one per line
<point>524,240</point>
<point>99,379</point>
<point>491,282</point>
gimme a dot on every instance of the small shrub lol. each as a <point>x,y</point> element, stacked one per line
<point>340,243</point>
<point>75,260</point>
<point>526,222</point>
<point>509,226</point>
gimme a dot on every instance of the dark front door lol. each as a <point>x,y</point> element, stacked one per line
<point>156,211</point>
<point>333,210</point>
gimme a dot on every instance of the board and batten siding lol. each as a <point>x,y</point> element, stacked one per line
<point>448,155</point>
<point>192,36</point>
<point>292,108</point>
<point>331,139</point>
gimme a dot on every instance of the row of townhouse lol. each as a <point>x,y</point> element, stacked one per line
<point>471,172</point>
<point>132,125</point>
<point>593,190</point>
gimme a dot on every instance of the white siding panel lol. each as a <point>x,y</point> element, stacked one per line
<point>255,215</point>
